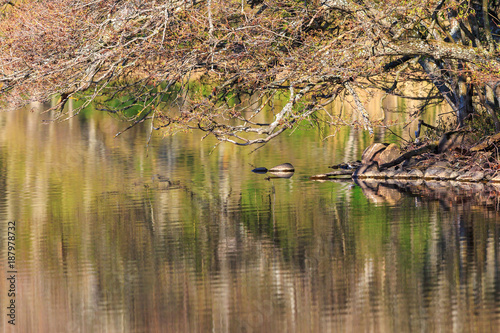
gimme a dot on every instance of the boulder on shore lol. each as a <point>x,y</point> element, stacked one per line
<point>389,154</point>
<point>371,151</point>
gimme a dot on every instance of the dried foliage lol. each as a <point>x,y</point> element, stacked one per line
<point>151,55</point>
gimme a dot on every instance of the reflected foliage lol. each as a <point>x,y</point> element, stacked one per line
<point>114,236</point>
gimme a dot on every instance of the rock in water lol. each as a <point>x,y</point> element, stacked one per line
<point>260,170</point>
<point>285,167</point>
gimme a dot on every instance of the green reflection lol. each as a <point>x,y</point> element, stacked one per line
<point>181,237</point>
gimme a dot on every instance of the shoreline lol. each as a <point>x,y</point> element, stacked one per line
<point>454,158</point>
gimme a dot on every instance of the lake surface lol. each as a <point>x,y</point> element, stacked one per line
<point>179,236</point>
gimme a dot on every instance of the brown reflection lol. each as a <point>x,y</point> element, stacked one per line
<point>448,193</point>
<point>380,192</point>
<point>117,238</point>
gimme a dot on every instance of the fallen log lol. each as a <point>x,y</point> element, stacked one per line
<point>406,156</point>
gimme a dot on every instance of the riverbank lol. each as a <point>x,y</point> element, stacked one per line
<point>455,157</point>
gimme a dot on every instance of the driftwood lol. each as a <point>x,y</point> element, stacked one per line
<point>408,155</point>
<point>487,143</point>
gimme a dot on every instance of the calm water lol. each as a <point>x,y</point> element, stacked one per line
<point>182,237</point>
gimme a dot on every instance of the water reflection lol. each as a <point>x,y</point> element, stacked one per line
<point>280,174</point>
<point>116,237</point>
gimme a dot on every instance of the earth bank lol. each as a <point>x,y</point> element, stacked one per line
<point>454,157</point>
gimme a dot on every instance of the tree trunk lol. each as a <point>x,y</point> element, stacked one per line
<point>464,98</point>
<point>491,106</point>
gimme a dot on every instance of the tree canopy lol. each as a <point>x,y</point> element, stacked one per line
<point>148,53</point>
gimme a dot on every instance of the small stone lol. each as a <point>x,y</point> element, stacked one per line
<point>444,174</point>
<point>390,173</point>
<point>433,172</point>
<point>471,176</point>
<point>402,175</point>
<point>415,173</point>
<point>260,170</point>
<point>373,173</point>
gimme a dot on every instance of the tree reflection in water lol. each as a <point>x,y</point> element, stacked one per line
<point>104,245</point>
